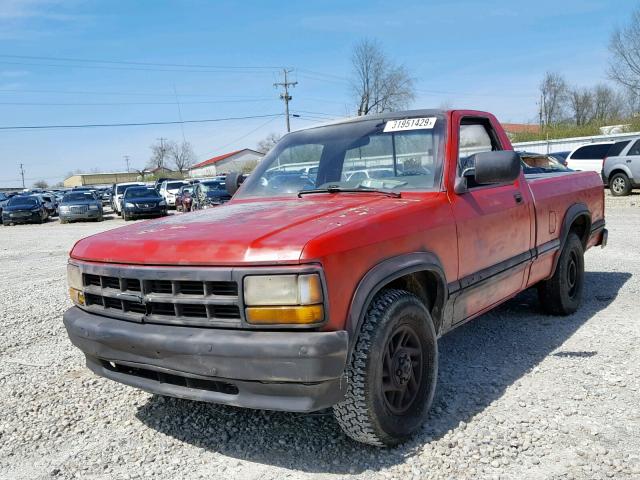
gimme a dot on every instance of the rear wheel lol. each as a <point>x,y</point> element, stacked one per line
<point>620,185</point>
<point>392,374</point>
<point>562,293</point>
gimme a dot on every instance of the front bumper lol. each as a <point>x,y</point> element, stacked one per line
<point>88,215</point>
<point>144,212</point>
<point>7,217</point>
<point>290,371</point>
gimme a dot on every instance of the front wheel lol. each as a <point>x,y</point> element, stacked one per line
<point>620,185</point>
<point>562,293</point>
<point>391,377</point>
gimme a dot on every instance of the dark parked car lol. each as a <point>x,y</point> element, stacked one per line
<point>209,193</point>
<point>4,199</point>
<point>24,209</point>
<point>184,198</point>
<point>80,205</point>
<point>142,202</point>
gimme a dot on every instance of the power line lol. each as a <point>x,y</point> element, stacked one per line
<point>98,104</point>
<point>84,92</point>
<point>285,95</point>
<point>246,134</point>
<point>132,124</point>
<point>149,64</point>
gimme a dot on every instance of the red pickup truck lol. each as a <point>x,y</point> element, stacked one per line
<point>329,277</point>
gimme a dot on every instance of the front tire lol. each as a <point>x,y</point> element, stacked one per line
<point>392,374</point>
<point>562,293</point>
<point>620,185</point>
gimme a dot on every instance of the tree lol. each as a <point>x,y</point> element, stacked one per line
<point>267,143</point>
<point>378,84</point>
<point>624,65</point>
<point>553,93</point>
<point>248,167</point>
<point>607,104</point>
<point>41,184</point>
<point>159,154</point>
<point>581,105</point>
<point>182,155</point>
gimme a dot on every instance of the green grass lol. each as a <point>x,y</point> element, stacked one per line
<point>568,131</point>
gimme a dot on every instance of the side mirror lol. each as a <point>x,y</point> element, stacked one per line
<point>490,167</point>
<point>233,181</point>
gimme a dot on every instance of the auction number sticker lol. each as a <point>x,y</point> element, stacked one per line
<point>410,124</point>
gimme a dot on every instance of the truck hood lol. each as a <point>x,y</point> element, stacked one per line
<point>256,231</point>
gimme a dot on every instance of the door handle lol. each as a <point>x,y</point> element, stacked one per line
<point>628,161</point>
<point>518,197</point>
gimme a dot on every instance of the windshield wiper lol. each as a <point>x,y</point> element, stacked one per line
<point>336,189</point>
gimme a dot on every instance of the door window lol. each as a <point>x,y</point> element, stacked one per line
<point>635,149</point>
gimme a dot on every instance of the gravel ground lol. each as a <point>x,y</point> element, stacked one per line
<point>521,395</point>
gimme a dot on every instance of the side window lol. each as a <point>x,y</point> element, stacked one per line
<point>591,152</point>
<point>617,148</point>
<point>476,136</point>
<point>635,149</point>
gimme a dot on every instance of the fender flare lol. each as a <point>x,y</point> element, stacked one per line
<point>384,273</point>
<point>574,212</point>
<point>622,168</point>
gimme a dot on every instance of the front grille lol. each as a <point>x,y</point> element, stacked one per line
<point>146,205</point>
<point>162,377</point>
<point>79,208</point>
<point>154,300</point>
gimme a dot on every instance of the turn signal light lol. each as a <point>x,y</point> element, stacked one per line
<point>302,315</point>
<point>77,296</point>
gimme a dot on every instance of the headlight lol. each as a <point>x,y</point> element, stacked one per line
<point>64,209</point>
<point>283,299</point>
<point>93,207</point>
<point>74,279</point>
<point>129,205</point>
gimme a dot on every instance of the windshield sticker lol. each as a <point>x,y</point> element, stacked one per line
<point>410,124</point>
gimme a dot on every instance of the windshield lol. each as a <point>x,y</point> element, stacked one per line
<point>23,201</point>
<point>78,196</point>
<point>186,190</point>
<point>352,155</point>
<point>212,186</point>
<point>174,185</point>
<point>121,188</point>
<point>140,193</point>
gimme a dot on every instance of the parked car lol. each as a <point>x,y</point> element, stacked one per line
<point>24,209</point>
<point>142,202</point>
<point>621,170</point>
<point>209,193</point>
<point>118,191</point>
<point>4,199</point>
<point>588,157</point>
<point>358,175</point>
<point>336,296</point>
<point>184,198</point>
<point>80,205</point>
<point>169,189</point>
<point>50,203</point>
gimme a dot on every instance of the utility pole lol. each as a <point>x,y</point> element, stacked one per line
<point>22,175</point>
<point>540,112</point>
<point>162,153</point>
<point>126,159</point>
<point>285,95</point>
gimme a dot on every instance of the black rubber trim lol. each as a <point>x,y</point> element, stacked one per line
<point>231,354</point>
<point>290,397</point>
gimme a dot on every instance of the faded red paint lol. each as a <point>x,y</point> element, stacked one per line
<point>348,234</point>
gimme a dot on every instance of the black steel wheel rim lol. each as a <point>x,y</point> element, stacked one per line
<point>402,370</point>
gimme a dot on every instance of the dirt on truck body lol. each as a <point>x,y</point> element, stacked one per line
<point>321,286</point>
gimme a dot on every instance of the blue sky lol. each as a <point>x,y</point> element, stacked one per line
<point>487,55</point>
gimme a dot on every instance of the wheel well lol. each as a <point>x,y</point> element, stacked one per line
<point>616,171</point>
<point>425,285</point>
<point>582,226</point>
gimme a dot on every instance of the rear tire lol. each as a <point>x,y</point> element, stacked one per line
<point>620,185</point>
<point>391,377</point>
<point>562,293</point>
